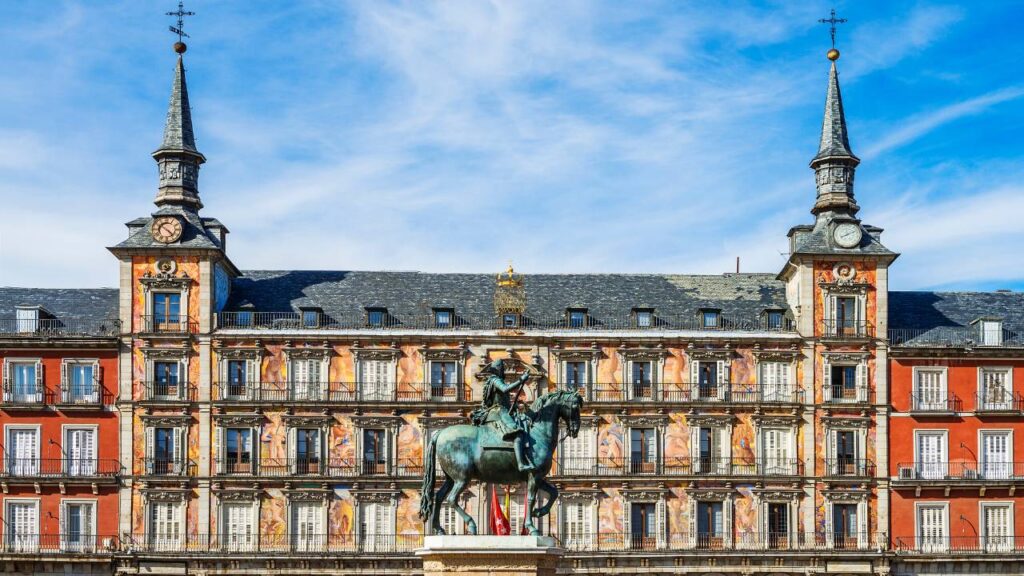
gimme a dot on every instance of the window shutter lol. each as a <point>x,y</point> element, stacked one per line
<point>727,523</point>
<point>181,449</point>
<point>762,523</point>
<point>627,524</point>
<point>723,378</point>
<point>292,456</point>
<point>7,379</point>
<point>63,525</point>
<point>830,451</point>
<point>830,531</point>
<point>826,379</point>
<point>65,384</point>
<point>323,368</point>
<point>691,531</point>
<point>862,524</point>
<point>97,379</point>
<point>39,377</point>
<point>694,376</point>
<point>149,451</point>
<point>659,513</point>
<point>220,449</point>
<point>862,381</point>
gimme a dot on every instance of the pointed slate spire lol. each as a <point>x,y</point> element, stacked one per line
<point>835,163</point>
<point>177,158</point>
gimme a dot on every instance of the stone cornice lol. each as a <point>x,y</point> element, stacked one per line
<point>694,419</point>
<point>308,420</point>
<point>576,354</point>
<point>638,420</point>
<point>377,421</point>
<point>652,354</point>
<point>449,354</point>
<point>248,420</point>
<point>174,420</point>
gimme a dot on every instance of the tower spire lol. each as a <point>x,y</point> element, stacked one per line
<point>835,163</point>
<point>177,158</point>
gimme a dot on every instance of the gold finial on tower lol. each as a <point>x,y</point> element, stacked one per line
<point>832,54</point>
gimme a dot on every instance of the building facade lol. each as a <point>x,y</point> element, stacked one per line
<point>270,421</point>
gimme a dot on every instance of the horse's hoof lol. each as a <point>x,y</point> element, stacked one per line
<point>535,532</point>
<point>471,528</point>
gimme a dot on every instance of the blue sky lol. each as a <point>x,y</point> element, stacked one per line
<point>458,135</point>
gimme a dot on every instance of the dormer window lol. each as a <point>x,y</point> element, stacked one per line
<point>443,317</point>
<point>28,318</point>
<point>375,317</point>
<point>774,319</point>
<point>311,317</point>
<point>990,331</point>
<point>643,317</point>
<point>711,318</point>
<point>510,320</point>
<point>243,318</point>
<point>577,317</point>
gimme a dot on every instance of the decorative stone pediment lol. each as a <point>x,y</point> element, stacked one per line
<point>650,494</point>
<point>308,353</point>
<point>778,494</point>
<point>238,495</point>
<point>246,420</point>
<point>576,354</point>
<point>308,420</point>
<point>850,496</point>
<point>844,288</point>
<point>308,495</point>
<point>776,420</point>
<point>585,494</point>
<point>164,494</point>
<point>694,419</point>
<point>382,496</point>
<point>644,420</point>
<point>248,353</point>
<point>165,353</point>
<point>378,421</point>
<point>710,494</point>
<point>171,420</point>
<point>642,354</point>
<point>166,281</point>
<point>387,354</point>
<point>846,421</point>
<point>444,354</point>
<point>776,355</point>
<point>845,356</point>
<point>706,354</point>
<point>437,422</point>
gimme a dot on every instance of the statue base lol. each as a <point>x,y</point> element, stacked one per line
<point>490,555</point>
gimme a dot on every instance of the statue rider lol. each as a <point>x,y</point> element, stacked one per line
<point>500,409</point>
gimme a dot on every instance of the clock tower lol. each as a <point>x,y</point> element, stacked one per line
<point>836,281</point>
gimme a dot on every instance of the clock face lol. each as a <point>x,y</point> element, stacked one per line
<point>847,234</point>
<point>166,229</point>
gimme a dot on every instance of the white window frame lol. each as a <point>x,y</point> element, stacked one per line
<point>863,516</point>
<point>312,389</point>
<point>238,542</point>
<point>930,404</point>
<point>723,378</point>
<point>588,536</point>
<point>785,389</point>
<point>12,464</point>
<point>768,464</point>
<point>994,327</point>
<point>9,385</point>
<point>428,376</point>
<point>831,447</point>
<point>1008,403</point>
<point>655,377</point>
<point>28,543</point>
<point>660,520</point>
<point>252,370</point>
<point>727,519</point>
<point>183,376</point>
<point>792,520</point>
<point>390,385</point>
<point>173,542</point>
<point>180,447</point>
<point>1001,470</point>
<point>941,470</point>
<point>919,544</point>
<point>861,386</point>
<point>90,536</point>
<point>89,469</point>
<point>221,446</point>
<point>66,366</point>
<point>585,442</point>
<point>1002,543</point>
<point>320,537</point>
<point>723,459</point>
<point>659,448</point>
<point>381,538</point>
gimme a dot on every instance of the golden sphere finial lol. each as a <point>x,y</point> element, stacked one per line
<point>180,47</point>
<point>833,55</point>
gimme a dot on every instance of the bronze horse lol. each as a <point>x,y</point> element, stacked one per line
<point>466,452</point>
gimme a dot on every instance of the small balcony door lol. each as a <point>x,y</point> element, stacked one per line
<point>708,458</point>
<point>375,527</point>
<point>80,447</point>
<point>166,311</point>
<point>23,451</point>
<point>377,382</point>
<point>844,526</point>
<point>166,380</point>
<point>641,380</point>
<point>307,451</point>
<point>932,528</point>
<point>996,450</point>
<point>930,393</point>
<point>710,525</point>
<point>778,525</point>
<point>575,375</point>
<point>643,450</point>
<point>239,531</point>
<point>165,526</point>
<point>643,523</point>
<point>844,383</point>
<point>775,385</point>
<point>165,452</point>
<point>27,387</point>
<point>82,384</point>
<point>238,457</point>
<point>931,455</point>
<point>308,534</point>
<point>995,390</point>
<point>306,379</point>
<point>707,381</point>
<point>444,380</point>
<point>238,381</point>
<point>77,527</point>
<point>997,527</point>
<point>846,316</point>
<point>846,461</point>
<point>22,526</point>
<point>776,452</point>
<point>375,451</point>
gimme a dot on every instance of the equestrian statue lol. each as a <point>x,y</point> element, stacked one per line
<point>503,445</point>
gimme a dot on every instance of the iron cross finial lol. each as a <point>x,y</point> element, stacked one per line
<point>180,13</point>
<point>832,21</point>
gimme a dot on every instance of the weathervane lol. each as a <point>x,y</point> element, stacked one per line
<point>833,54</point>
<point>179,46</point>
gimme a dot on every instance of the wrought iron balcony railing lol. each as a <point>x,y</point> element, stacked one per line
<point>90,394</point>
<point>160,466</point>
<point>857,467</point>
<point>167,391</point>
<point>686,392</point>
<point>955,337</point>
<point>269,392</point>
<point>938,545</point>
<point>1000,402</point>
<point>946,403</point>
<point>838,542</point>
<point>58,328</point>
<point>839,394</point>
<point>294,321</point>
<point>960,471</point>
<point>168,325</point>
<point>62,468</point>
<point>27,396</point>
<point>67,543</point>
<point>606,466</point>
<point>847,329</point>
<point>255,543</point>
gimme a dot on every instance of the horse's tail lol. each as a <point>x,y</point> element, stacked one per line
<point>427,490</point>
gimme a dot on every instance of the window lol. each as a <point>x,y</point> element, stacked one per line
<point>80,451</point>
<point>845,458</point>
<point>643,525</point>
<point>996,454</point>
<point>641,379</point>
<point>846,316</point>
<point>577,317</point>
<point>575,456</point>
<point>167,311</point>
<point>930,390</point>
<point>307,381</point>
<point>81,382</point>
<point>77,532</point>
<point>643,450</point>
<point>577,520</point>
<point>575,374</point>
<point>775,382</point>
<point>166,385</point>
<point>243,318</point>
<point>996,390</point>
<point>710,318</point>
<point>931,455</point>
<point>165,448</point>
<point>991,332</point>
<point>375,317</point>
<point>775,451</point>
<point>22,449</point>
<point>306,450</point>
<point>778,525</point>
<point>710,525</point>
<point>509,320</point>
<point>375,452</point>
<point>21,520</point>
<point>932,528</point>
<point>444,378</point>
<point>997,527</point>
<point>310,317</point>
<point>238,528</point>
<point>23,382</point>
<point>443,318</point>
<point>377,380</point>
<point>844,382</point>
<point>27,318</point>
<point>844,526</point>
<point>376,526</point>
<point>643,317</point>
<point>708,451</point>
<point>709,379</point>
<point>774,319</point>
<point>165,526</point>
<point>238,451</point>
<point>308,534</point>
<point>237,378</point>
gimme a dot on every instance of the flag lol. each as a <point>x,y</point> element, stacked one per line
<point>498,521</point>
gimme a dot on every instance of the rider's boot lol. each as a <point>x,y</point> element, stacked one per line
<point>521,459</point>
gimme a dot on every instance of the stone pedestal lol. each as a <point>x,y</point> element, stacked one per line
<point>490,555</point>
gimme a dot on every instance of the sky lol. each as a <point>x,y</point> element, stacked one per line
<point>460,135</point>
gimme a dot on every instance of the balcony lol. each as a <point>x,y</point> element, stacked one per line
<point>697,467</point>
<point>954,545</point>
<point>838,543</point>
<point>298,321</point>
<point>26,397</point>
<point>933,404</point>
<point>961,337</point>
<point>847,330</point>
<point>82,396</point>
<point>68,544</point>
<point>286,467</point>
<point>168,325</point>
<point>1000,403</point>
<point>60,468</point>
<point>849,467</point>
<point>168,392</point>
<point>839,394</point>
<point>964,472</point>
<point>58,328</point>
<point>689,393</point>
<point>273,544</point>
<point>173,467</point>
<point>335,392</point>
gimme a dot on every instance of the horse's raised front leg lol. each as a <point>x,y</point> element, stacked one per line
<point>531,500</point>
<point>435,514</point>
<point>552,495</point>
<point>453,500</point>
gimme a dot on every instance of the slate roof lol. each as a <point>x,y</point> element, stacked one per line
<point>835,140</point>
<point>194,232</point>
<point>817,239</point>
<point>73,311</point>
<point>178,134</point>
<point>925,310</point>
<point>410,296</point>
